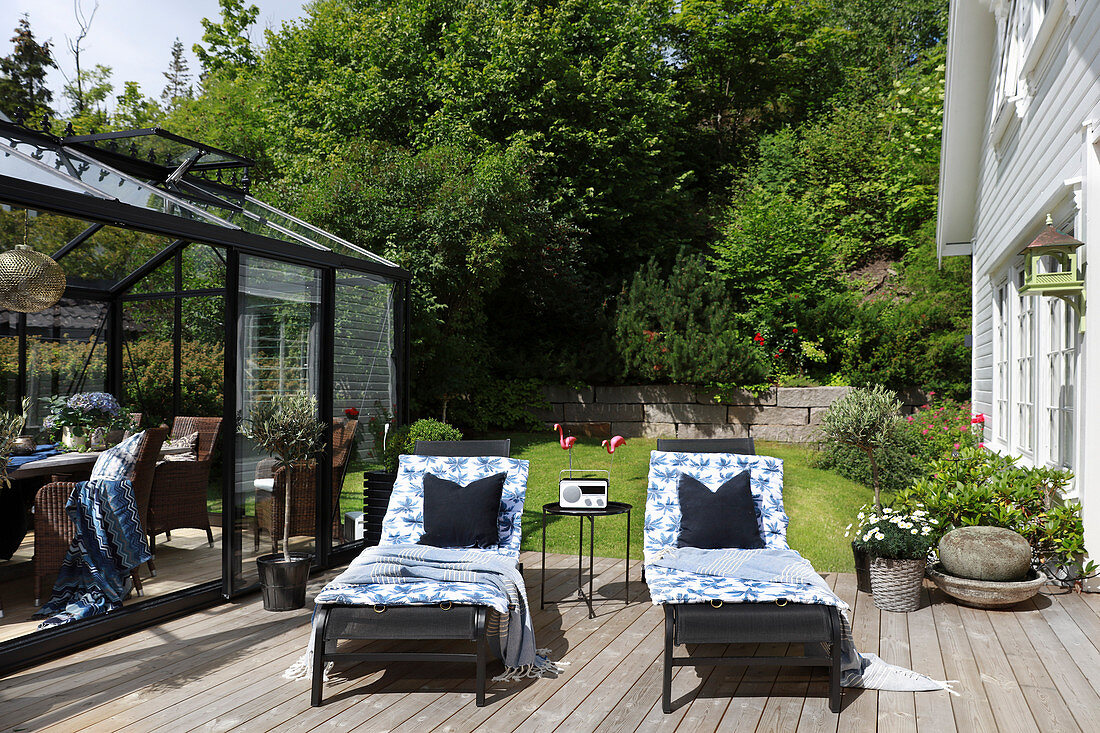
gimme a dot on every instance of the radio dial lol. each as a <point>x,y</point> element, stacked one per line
<point>587,501</point>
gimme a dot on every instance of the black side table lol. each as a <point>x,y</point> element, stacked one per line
<point>556,509</point>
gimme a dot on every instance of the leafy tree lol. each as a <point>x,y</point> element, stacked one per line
<point>134,109</point>
<point>750,66</point>
<point>178,76</point>
<point>23,73</point>
<point>228,47</point>
<point>88,95</point>
<point>466,226</point>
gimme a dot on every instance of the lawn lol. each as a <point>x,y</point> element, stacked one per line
<point>820,503</point>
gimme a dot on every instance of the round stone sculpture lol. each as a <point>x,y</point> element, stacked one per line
<point>985,553</point>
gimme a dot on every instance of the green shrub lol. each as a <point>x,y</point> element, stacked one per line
<point>501,404</point>
<point>403,440</point>
<point>986,488</point>
<point>683,329</point>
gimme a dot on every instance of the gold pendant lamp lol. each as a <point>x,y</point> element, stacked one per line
<point>29,281</point>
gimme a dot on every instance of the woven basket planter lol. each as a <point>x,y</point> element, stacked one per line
<point>896,584</point>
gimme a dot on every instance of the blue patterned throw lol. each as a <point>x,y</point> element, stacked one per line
<point>109,543</point>
<point>775,573</point>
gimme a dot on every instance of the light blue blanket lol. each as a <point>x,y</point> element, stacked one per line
<point>788,567</point>
<point>512,639</point>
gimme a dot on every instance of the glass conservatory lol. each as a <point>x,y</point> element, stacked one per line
<point>190,301</point>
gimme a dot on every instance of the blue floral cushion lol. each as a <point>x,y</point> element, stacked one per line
<point>404,521</point>
<point>117,464</point>
<point>662,509</point>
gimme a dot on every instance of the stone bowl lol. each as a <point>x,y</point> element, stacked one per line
<point>986,593</point>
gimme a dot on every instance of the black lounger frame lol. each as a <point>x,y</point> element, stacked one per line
<point>700,624</point>
<point>445,621</point>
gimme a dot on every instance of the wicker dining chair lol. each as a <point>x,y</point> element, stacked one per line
<point>271,507</point>
<point>178,498</point>
<point>54,530</point>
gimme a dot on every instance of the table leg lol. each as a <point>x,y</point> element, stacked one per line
<point>627,569</point>
<point>580,558</point>
<point>591,565</point>
<point>542,577</point>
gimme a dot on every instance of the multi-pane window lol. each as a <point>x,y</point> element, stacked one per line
<point>1025,371</point>
<point>1061,327</point>
<point>1002,376</point>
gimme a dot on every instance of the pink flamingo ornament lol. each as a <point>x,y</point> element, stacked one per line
<point>566,443</point>
<point>611,445</point>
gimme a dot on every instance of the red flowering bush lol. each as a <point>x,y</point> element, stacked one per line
<point>943,426</point>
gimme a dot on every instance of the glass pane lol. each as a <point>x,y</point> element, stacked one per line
<point>160,280</point>
<point>203,268</point>
<point>363,372</point>
<point>278,323</point>
<point>45,167</point>
<point>112,254</point>
<point>148,359</point>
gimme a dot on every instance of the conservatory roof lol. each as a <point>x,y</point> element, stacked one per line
<point>162,183</point>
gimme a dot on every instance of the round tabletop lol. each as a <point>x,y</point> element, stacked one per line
<point>612,508</point>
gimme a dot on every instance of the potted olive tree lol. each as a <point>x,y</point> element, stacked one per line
<point>287,428</point>
<point>865,419</point>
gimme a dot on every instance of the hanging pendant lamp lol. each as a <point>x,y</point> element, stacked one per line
<point>29,281</point>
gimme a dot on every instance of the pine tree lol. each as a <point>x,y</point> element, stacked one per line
<point>178,76</point>
<point>23,74</point>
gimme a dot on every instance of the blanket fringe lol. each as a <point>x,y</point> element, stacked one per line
<point>542,667</point>
<point>302,669</point>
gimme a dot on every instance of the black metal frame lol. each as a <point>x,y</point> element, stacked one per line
<point>832,661</point>
<point>182,232</point>
<point>744,446</point>
<point>433,618</point>
<point>413,622</point>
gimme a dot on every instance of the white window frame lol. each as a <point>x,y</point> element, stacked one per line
<point>1002,362</point>
<point>1024,371</point>
<point>1060,384</point>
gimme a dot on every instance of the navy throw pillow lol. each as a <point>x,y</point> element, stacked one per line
<point>720,519</point>
<point>462,516</point>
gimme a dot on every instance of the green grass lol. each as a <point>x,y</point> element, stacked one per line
<point>819,503</point>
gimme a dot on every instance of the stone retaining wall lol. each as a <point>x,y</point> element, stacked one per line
<point>785,414</point>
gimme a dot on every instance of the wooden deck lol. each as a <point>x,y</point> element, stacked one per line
<point>1033,669</point>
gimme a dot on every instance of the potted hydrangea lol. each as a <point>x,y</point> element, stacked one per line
<point>85,418</point>
<point>898,544</point>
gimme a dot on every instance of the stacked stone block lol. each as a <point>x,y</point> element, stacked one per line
<point>784,414</point>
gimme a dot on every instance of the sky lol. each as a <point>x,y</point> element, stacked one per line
<point>133,37</point>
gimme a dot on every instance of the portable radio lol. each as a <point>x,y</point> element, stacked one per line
<point>585,492</point>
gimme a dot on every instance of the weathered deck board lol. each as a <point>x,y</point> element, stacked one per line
<point>1031,668</point>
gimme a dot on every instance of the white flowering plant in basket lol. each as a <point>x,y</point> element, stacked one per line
<point>890,533</point>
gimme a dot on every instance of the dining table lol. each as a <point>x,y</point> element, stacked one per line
<point>27,477</point>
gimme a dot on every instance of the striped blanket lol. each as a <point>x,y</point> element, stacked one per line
<point>109,543</point>
<point>787,566</point>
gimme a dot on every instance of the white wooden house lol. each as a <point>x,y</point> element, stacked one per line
<point>1021,142</point>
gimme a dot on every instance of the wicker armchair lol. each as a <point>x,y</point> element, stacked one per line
<point>178,498</point>
<point>270,508</point>
<point>54,531</point>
